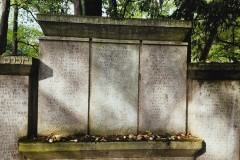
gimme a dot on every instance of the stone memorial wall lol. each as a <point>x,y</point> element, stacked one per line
<point>101,86</point>
<point>116,69</point>
<point>114,88</point>
<point>13,114</point>
<point>214,111</point>
<point>13,108</point>
<point>162,93</point>
<point>63,87</point>
<point>128,82</point>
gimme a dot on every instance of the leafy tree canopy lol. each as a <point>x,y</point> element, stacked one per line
<point>215,35</point>
<point>28,30</point>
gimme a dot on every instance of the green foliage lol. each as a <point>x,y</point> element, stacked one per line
<point>27,41</point>
<point>216,23</point>
<point>52,6</point>
<point>28,29</point>
<point>215,28</point>
<point>215,36</point>
<point>155,9</point>
<point>151,9</point>
<point>45,6</point>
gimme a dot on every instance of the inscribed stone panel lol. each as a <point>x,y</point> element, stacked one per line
<point>63,87</point>
<point>13,114</point>
<point>162,99</point>
<point>114,88</point>
<point>214,112</point>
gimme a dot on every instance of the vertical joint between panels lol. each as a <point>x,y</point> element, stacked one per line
<point>139,79</point>
<point>89,84</point>
<point>187,89</point>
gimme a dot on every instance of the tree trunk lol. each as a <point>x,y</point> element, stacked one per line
<point>124,8</point>
<point>88,7</point>
<point>15,30</point>
<point>4,25</point>
<point>93,7</point>
<point>208,45</point>
<point>78,10</point>
<point>113,8</point>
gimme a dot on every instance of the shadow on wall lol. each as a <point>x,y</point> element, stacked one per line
<point>114,88</point>
<point>126,91</point>
<point>13,114</point>
<point>9,149</point>
<point>59,118</point>
<point>48,72</point>
<point>213,112</point>
<point>163,89</point>
<point>201,151</point>
<point>63,87</point>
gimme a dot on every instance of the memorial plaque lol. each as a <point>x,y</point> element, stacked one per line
<point>114,88</point>
<point>162,102</point>
<point>214,111</point>
<point>13,114</point>
<point>63,87</point>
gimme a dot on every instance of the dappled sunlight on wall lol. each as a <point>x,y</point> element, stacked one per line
<point>13,114</point>
<point>214,116</point>
<point>114,88</point>
<point>63,96</point>
<point>163,88</point>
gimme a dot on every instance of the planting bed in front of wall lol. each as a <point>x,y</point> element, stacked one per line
<point>114,146</point>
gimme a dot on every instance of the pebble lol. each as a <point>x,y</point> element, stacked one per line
<point>50,140</point>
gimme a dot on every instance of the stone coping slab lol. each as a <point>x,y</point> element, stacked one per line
<point>110,28</point>
<point>15,65</point>
<point>96,40</point>
<point>80,150</point>
<point>214,66</point>
<point>214,71</point>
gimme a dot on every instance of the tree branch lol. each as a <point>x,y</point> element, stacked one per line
<point>209,42</point>
<point>31,45</point>
<point>230,43</point>
<point>18,4</point>
<point>124,8</point>
<point>30,13</point>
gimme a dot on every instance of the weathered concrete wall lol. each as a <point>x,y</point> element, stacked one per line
<point>13,105</point>
<point>111,86</point>
<point>213,105</point>
<point>214,110</point>
<point>63,87</point>
<point>114,88</point>
<point>13,114</point>
<point>119,84</point>
<point>162,95</point>
<point>118,87</point>
<point>114,28</point>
